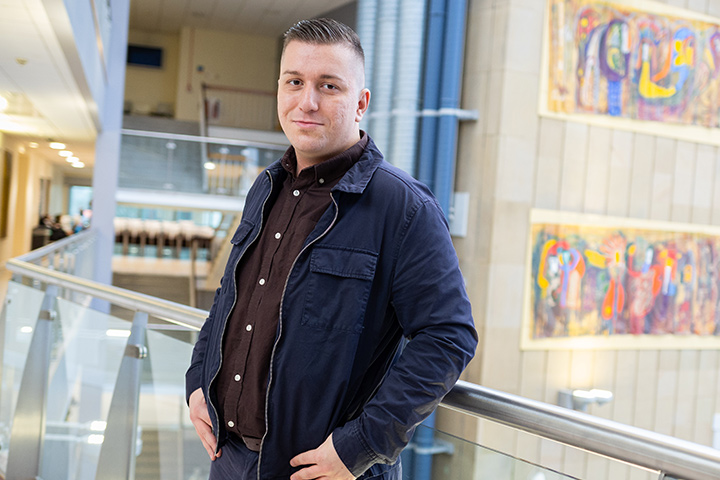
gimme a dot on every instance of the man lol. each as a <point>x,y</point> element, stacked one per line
<point>298,372</point>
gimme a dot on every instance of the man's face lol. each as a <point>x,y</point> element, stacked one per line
<point>320,99</point>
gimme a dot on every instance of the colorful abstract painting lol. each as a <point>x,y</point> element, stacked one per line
<point>610,59</point>
<point>603,281</point>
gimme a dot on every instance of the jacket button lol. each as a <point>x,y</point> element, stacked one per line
<point>296,193</point>
<point>231,424</point>
<point>248,328</point>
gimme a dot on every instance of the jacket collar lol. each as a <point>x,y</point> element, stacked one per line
<point>354,181</point>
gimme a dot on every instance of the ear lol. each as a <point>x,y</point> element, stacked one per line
<point>363,104</point>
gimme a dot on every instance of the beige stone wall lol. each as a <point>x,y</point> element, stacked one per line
<point>513,160</point>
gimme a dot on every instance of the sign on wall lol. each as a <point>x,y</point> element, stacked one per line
<point>621,283</point>
<point>632,62</point>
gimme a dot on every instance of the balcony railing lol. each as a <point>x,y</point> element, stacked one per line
<point>177,164</point>
<point>93,388</point>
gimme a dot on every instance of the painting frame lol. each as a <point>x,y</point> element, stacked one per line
<point>678,131</point>
<point>605,342</point>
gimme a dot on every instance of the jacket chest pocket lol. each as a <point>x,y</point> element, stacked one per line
<point>338,288</point>
<point>239,243</point>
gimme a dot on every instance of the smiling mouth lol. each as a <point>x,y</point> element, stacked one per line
<point>306,123</point>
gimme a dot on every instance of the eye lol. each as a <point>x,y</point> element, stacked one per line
<point>294,82</point>
<point>329,86</point>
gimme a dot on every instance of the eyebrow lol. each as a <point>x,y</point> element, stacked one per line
<point>325,76</point>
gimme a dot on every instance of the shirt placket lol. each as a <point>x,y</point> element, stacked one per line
<point>272,246</point>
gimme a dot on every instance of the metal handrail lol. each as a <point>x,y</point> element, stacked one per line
<point>281,147</point>
<point>172,312</point>
<point>671,456</point>
<point>57,246</point>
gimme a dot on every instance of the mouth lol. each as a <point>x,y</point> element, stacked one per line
<point>306,123</point>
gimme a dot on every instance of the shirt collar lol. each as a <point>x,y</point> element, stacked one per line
<point>331,168</point>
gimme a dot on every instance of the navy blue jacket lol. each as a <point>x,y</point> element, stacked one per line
<point>379,266</point>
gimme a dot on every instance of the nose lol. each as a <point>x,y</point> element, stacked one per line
<point>308,100</point>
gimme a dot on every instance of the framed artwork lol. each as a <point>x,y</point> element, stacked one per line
<point>637,65</point>
<point>603,282</point>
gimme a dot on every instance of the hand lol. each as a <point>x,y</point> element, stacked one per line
<point>322,463</point>
<point>201,420</point>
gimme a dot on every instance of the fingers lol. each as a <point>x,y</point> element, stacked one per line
<point>200,419</point>
<point>204,431</point>
<point>309,473</point>
<point>305,458</point>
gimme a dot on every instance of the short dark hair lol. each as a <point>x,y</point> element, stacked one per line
<point>324,31</point>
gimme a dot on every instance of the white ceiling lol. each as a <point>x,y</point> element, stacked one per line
<point>263,17</point>
<point>44,100</point>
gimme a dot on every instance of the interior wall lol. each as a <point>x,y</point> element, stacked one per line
<point>147,87</point>
<point>223,58</point>
<point>512,160</point>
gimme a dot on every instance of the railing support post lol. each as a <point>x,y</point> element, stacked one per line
<point>28,428</point>
<point>117,456</point>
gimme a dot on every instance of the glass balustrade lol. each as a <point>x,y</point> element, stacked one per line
<point>19,315</point>
<point>453,458</point>
<point>170,447</point>
<point>191,165</point>
<point>86,394</point>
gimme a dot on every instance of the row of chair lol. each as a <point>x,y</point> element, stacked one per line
<point>174,234</point>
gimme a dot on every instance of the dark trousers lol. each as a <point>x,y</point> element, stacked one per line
<point>237,462</point>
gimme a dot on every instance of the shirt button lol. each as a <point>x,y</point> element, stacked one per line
<point>321,181</point>
<point>278,235</point>
<point>296,193</point>
<point>248,328</point>
<point>237,378</point>
<point>231,424</point>
<point>262,281</point>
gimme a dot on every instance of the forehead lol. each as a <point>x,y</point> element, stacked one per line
<point>336,59</point>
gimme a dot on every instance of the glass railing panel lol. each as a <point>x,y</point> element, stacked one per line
<point>170,447</point>
<point>453,458</point>
<point>192,165</point>
<point>87,349</point>
<point>19,316</point>
<point>165,164</point>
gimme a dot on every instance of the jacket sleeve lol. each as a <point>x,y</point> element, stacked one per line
<point>193,375</point>
<point>429,298</point>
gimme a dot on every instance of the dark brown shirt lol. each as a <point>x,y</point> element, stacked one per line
<point>261,275</point>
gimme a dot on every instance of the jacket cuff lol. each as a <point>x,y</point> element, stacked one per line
<point>192,381</point>
<point>352,448</point>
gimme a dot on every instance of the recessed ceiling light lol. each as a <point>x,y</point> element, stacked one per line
<point>3,104</point>
<point>33,145</point>
<point>65,153</point>
<point>57,146</point>
<point>72,159</point>
<point>77,165</point>
<point>209,166</point>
